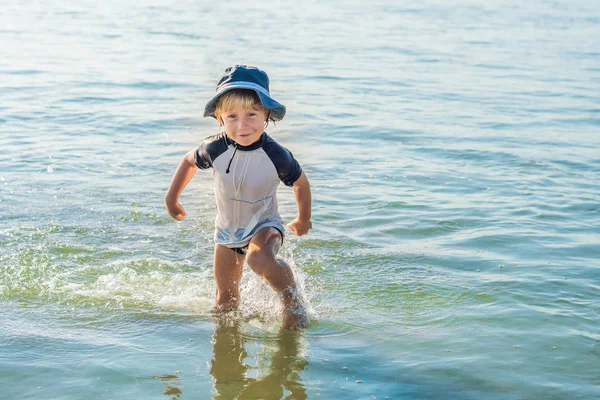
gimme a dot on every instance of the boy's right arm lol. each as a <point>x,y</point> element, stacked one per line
<point>184,173</point>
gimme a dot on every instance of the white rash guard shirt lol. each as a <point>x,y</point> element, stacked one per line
<point>246,180</point>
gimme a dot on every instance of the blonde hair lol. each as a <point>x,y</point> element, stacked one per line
<point>246,98</point>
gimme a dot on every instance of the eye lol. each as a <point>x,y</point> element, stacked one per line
<point>252,114</point>
<point>231,116</point>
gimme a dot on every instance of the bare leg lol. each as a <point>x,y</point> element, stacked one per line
<point>261,258</point>
<point>228,267</point>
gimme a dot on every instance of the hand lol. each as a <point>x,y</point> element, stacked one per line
<point>176,211</point>
<point>300,227</point>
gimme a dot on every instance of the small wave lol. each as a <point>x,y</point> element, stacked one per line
<point>23,72</point>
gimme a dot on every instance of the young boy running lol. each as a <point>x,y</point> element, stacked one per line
<point>247,167</point>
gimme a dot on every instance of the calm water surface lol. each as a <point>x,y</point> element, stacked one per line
<point>454,154</point>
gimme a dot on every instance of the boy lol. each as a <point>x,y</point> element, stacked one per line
<point>247,168</point>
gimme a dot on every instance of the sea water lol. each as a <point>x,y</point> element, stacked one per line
<point>454,154</point>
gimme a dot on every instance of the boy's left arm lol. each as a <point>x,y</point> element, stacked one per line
<point>302,223</point>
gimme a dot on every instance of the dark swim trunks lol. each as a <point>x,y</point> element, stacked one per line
<point>240,250</point>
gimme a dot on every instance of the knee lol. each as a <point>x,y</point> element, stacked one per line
<point>258,261</point>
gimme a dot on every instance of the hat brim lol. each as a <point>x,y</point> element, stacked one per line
<point>277,109</point>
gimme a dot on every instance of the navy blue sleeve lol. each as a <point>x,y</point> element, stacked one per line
<point>286,165</point>
<point>209,150</point>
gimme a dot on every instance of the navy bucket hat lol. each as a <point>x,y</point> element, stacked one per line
<point>246,77</point>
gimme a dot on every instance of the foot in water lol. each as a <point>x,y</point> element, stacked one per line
<point>294,320</point>
<point>294,317</point>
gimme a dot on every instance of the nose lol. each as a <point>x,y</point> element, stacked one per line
<point>242,123</point>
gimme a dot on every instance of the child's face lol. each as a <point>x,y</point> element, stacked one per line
<point>244,126</point>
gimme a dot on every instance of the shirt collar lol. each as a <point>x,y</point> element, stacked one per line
<point>252,146</point>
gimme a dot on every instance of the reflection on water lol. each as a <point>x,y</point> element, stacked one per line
<point>229,370</point>
<point>172,385</point>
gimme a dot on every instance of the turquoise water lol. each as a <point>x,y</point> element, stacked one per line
<point>454,154</point>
